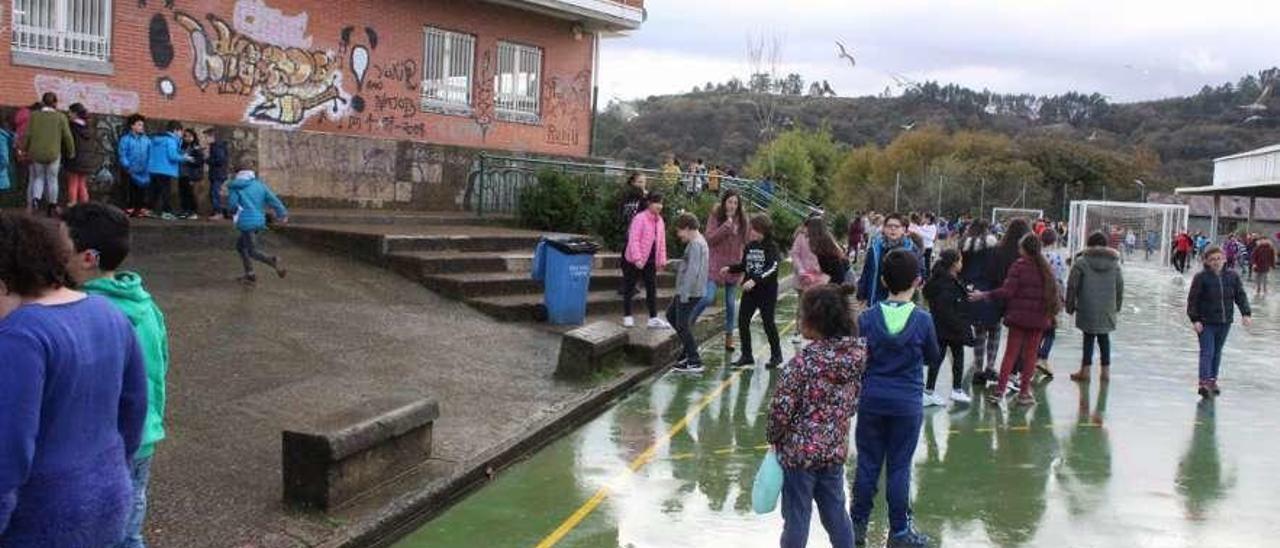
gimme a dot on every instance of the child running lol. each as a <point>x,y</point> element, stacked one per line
<point>1209,306</point>
<point>759,291</point>
<point>100,235</point>
<point>948,304</point>
<point>808,427</point>
<point>900,340</point>
<point>691,282</point>
<point>646,254</point>
<point>1031,296</point>
<point>249,198</point>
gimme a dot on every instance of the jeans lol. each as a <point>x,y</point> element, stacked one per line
<point>884,441</point>
<point>679,315</point>
<point>800,489</point>
<point>1046,343</point>
<point>709,298</point>
<point>1104,348</point>
<point>1212,339</point>
<point>1019,348</point>
<point>43,183</point>
<point>215,196</point>
<point>140,471</point>
<point>247,247</point>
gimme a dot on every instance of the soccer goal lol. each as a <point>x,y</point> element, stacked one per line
<point>1139,231</point>
<point>1002,215</point>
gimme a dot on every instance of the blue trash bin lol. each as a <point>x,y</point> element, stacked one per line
<point>564,266</point>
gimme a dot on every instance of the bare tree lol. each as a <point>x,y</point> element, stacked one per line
<point>764,56</point>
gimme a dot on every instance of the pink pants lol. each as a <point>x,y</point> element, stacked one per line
<point>1021,345</point>
<point>77,188</point>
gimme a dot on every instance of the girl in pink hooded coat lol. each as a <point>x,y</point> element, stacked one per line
<point>646,254</point>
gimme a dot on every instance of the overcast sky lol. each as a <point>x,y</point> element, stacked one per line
<point>1125,49</point>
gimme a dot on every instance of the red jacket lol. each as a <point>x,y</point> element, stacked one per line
<point>1023,293</point>
<point>1264,258</point>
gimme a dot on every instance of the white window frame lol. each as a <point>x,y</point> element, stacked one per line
<point>447,55</point>
<point>75,31</point>
<point>517,83</point>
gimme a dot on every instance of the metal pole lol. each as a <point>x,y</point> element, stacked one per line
<point>897,186</point>
<point>938,211</point>
<point>982,199</point>
<point>1024,195</point>
<point>1248,224</point>
<point>480,188</point>
<point>1213,219</point>
<point>1065,212</point>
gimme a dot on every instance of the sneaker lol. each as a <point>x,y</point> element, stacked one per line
<point>859,534</point>
<point>909,538</point>
<point>659,323</point>
<point>1204,391</point>
<point>1213,385</point>
<point>1014,388</point>
<point>958,396</point>
<point>774,362</point>
<point>248,279</point>
<point>278,264</point>
<point>167,216</point>
<point>744,362</point>
<point>628,321</point>
<point>1043,367</point>
<point>1025,398</point>
<point>979,376</point>
<point>192,217</point>
<point>995,398</point>
<point>931,400</point>
<point>689,367</point>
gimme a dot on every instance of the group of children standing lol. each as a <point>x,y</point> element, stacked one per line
<point>154,162</point>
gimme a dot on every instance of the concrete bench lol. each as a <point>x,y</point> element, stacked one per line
<point>340,456</point>
<point>591,348</point>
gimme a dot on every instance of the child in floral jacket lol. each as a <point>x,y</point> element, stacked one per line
<point>816,396</point>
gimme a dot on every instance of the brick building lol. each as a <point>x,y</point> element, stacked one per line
<point>381,103</point>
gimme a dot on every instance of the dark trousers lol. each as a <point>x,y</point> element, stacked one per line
<point>1212,340</point>
<point>161,187</point>
<point>1104,348</point>
<point>957,365</point>
<point>1180,261</point>
<point>928,259</point>
<point>884,441</point>
<point>630,275</point>
<point>187,195</point>
<point>247,247</point>
<point>136,197</point>
<point>800,490</point>
<point>215,196</point>
<point>679,315</point>
<point>1019,348</point>
<point>766,301</point>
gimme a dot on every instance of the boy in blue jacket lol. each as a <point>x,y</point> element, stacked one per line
<point>248,197</point>
<point>163,163</point>
<point>134,151</point>
<point>900,341</point>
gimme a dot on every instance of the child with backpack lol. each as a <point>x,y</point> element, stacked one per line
<point>900,341</point>
<point>760,259</point>
<point>249,198</point>
<point>691,282</point>
<point>816,396</point>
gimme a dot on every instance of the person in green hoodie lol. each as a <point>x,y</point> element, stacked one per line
<point>100,233</point>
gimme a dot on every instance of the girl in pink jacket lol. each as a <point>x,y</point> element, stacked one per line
<point>646,254</point>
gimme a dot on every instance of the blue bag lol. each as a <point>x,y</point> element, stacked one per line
<point>768,484</point>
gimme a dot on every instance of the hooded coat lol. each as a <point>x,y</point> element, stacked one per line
<point>1095,289</point>
<point>816,397</point>
<point>126,292</point>
<point>979,255</point>
<point>893,383</point>
<point>249,198</point>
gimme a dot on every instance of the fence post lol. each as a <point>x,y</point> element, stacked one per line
<point>480,188</point>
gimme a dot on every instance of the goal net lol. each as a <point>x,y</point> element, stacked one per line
<point>1000,216</point>
<point>1140,232</point>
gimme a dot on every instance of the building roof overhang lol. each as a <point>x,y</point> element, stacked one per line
<point>1263,189</point>
<point>608,16</point>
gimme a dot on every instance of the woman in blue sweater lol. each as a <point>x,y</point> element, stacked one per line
<point>73,390</point>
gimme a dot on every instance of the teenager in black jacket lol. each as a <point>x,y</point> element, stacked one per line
<point>759,290</point>
<point>948,304</point>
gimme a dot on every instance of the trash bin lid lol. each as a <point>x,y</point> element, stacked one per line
<point>574,245</point>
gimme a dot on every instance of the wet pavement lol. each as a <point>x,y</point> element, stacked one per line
<point>1139,461</point>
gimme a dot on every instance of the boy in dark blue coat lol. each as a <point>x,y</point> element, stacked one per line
<point>900,341</point>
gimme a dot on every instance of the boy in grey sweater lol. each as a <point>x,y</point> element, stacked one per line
<point>691,283</point>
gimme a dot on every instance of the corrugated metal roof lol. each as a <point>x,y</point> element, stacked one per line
<point>1231,207</point>
<point>1254,152</point>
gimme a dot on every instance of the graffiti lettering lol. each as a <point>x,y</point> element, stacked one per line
<point>563,136</point>
<point>96,96</point>
<point>404,72</point>
<point>405,105</point>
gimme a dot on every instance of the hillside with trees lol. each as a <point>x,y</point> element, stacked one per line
<point>946,144</point>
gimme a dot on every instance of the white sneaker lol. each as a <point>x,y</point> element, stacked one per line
<point>931,400</point>
<point>659,323</point>
<point>1013,387</point>
<point>958,396</point>
<point>628,321</point>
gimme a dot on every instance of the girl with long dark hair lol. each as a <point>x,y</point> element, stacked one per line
<point>726,235</point>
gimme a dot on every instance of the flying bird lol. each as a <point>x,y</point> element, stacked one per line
<point>844,53</point>
<point>1093,136</point>
<point>1260,104</point>
<point>1252,119</point>
<point>908,126</point>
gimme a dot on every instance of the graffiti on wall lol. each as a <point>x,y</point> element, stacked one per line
<point>564,102</point>
<point>158,40</point>
<point>287,85</point>
<point>269,25</point>
<point>95,96</point>
<point>482,114</point>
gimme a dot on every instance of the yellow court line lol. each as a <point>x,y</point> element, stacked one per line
<point>585,510</point>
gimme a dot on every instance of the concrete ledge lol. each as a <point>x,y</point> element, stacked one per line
<point>340,456</point>
<point>591,348</point>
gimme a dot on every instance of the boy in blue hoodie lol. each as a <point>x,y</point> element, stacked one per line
<point>163,163</point>
<point>248,198</point>
<point>900,342</point>
<point>134,152</point>
<point>100,234</point>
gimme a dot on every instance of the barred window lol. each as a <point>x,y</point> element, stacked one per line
<point>516,84</point>
<point>73,29</point>
<point>448,60</point>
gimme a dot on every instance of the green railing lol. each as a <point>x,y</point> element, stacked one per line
<point>495,183</point>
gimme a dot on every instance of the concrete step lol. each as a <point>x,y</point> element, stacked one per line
<point>485,284</point>
<point>529,307</point>
<point>420,264</point>
<point>392,217</point>
<point>464,243</point>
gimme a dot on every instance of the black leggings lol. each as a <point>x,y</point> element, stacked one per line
<point>161,187</point>
<point>957,365</point>
<point>187,194</point>
<point>1104,348</point>
<point>766,301</point>
<point>631,274</point>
